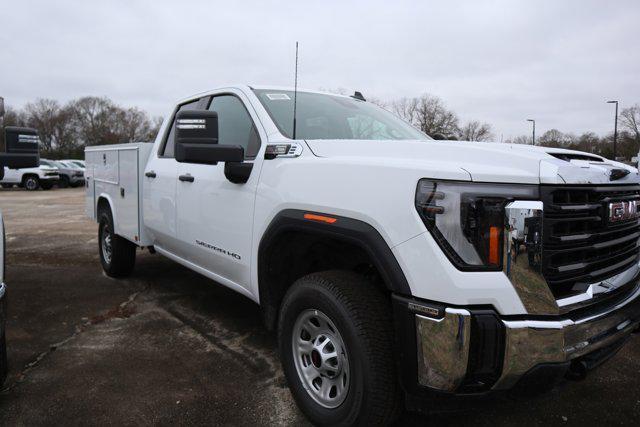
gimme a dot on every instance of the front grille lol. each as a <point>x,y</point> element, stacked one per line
<point>580,245</point>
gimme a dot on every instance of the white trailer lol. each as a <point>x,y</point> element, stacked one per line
<point>114,172</point>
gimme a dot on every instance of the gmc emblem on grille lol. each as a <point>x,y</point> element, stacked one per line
<point>623,211</point>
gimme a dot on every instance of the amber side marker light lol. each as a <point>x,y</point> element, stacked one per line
<point>320,218</point>
<point>494,248</point>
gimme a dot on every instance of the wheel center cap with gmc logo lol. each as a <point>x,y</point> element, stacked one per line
<point>623,211</point>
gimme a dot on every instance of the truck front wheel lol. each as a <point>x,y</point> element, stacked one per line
<point>335,339</point>
<point>117,254</point>
<point>31,183</point>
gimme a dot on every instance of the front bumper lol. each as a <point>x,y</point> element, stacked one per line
<point>469,350</point>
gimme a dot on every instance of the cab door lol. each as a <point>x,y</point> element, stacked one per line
<point>160,182</point>
<point>215,216</point>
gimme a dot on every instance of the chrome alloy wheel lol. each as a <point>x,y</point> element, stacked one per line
<point>31,184</point>
<point>321,358</point>
<point>106,243</point>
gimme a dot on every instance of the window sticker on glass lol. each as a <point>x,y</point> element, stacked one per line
<point>278,96</point>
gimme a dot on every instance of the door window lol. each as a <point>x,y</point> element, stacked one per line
<point>235,126</point>
<point>170,142</point>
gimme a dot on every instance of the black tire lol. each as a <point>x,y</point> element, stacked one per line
<point>362,315</point>
<point>46,185</point>
<point>119,260</point>
<point>63,182</point>
<point>31,183</point>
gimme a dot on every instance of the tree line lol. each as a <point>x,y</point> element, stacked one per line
<point>431,115</point>
<point>66,129</point>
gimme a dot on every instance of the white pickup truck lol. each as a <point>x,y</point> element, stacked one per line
<point>390,264</point>
<point>44,176</point>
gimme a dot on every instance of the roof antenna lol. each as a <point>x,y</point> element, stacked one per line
<point>295,94</point>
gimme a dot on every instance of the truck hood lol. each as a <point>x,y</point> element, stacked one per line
<point>483,161</point>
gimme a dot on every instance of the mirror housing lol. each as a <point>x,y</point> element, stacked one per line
<point>197,139</point>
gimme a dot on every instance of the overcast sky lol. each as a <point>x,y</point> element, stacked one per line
<point>496,61</point>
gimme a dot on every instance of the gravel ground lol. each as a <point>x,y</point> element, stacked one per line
<point>168,346</point>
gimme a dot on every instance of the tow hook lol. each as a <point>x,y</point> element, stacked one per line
<point>577,370</point>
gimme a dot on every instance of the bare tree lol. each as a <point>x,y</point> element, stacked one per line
<point>42,115</point>
<point>406,109</point>
<point>14,117</point>
<point>428,113</point>
<point>521,139</point>
<point>156,124</point>
<point>132,124</point>
<point>588,142</point>
<point>95,120</point>
<point>476,131</point>
<point>552,138</point>
<point>630,120</point>
<point>64,130</point>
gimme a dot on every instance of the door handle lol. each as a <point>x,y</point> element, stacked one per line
<point>186,178</point>
<point>150,174</point>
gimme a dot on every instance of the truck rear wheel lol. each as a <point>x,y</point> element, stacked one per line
<point>117,254</point>
<point>335,338</point>
<point>31,183</point>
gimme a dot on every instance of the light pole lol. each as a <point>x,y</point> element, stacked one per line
<point>534,130</point>
<point>615,129</point>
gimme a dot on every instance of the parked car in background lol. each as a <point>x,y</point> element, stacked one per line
<point>70,174</point>
<point>76,162</point>
<point>44,176</point>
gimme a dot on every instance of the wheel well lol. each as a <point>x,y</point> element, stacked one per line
<point>28,175</point>
<point>294,254</point>
<point>103,205</point>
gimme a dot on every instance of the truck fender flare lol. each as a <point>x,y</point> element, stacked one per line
<point>106,197</point>
<point>343,228</point>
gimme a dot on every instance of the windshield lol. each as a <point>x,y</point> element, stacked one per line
<point>70,165</point>
<point>322,116</point>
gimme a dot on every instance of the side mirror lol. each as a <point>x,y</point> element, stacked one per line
<point>439,137</point>
<point>197,139</point>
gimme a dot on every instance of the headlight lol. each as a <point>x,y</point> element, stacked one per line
<point>467,219</point>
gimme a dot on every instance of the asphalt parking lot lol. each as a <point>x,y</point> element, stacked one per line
<point>168,346</point>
